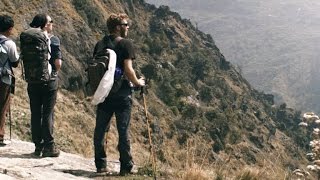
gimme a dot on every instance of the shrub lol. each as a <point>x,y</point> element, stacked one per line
<point>206,94</point>
<point>89,12</point>
<point>175,110</point>
<point>189,110</point>
<point>235,136</point>
<point>211,115</point>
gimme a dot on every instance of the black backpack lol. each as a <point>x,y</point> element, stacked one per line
<point>98,65</point>
<point>34,49</point>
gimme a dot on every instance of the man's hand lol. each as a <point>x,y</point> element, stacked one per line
<point>142,81</point>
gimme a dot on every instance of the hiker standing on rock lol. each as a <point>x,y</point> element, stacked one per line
<point>120,102</point>
<point>8,58</point>
<point>42,59</point>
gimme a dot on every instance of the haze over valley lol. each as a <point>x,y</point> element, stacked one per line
<point>275,44</point>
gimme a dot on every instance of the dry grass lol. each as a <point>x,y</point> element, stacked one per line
<point>192,162</point>
<point>195,174</point>
<point>194,166</point>
<point>269,167</point>
<point>250,174</point>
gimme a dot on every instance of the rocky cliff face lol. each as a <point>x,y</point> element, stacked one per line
<point>202,110</point>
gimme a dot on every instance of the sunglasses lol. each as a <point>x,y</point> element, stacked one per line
<point>125,24</point>
<point>51,21</point>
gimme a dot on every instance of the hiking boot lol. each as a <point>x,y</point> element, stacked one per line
<point>51,151</point>
<point>102,170</point>
<point>38,150</point>
<point>125,168</point>
<point>124,172</point>
<point>2,142</point>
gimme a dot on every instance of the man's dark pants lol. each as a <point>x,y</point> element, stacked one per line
<point>4,105</point>
<point>42,100</point>
<point>121,106</point>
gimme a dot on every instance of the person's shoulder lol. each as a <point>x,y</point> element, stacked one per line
<point>125,42</point>
<point>10,43</point>
<point>33,31</point>
<point>55,40</point>
<point>4,39</point>
<point>100,43</point>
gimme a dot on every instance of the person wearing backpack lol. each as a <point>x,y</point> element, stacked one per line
<point>36,54</point>
<point>119,102</point>
<point>8,58</point>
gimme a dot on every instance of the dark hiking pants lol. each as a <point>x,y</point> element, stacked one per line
<point>42,100</point>
<point>121,107</point>
<point>4,105</point>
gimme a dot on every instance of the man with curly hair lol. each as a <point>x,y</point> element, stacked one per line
<point>119,102</point>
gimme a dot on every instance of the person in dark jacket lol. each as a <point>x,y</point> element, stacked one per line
<point>43,95</point>
<point>120,102</point>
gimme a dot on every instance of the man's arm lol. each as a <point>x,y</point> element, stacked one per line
<point>56,55</point>
<point>58,64</point>
<point>130,73</point>
<point>13,53</point>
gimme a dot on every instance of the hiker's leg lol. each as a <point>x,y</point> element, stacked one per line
<point>35,98</point>
<point>50,96</point>
<point>4,106</point>
<point>123,116</point>
<point>49,101</point>
<point>103,120</point>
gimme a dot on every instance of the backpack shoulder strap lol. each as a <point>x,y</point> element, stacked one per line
<point>2,40</point>
<point>108,42</point>
<point>111,42</point>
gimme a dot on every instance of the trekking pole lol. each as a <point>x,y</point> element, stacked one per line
<point>10,120</point>
<point>149,134</point>
<point>22,71</point>
<point>10,123</point>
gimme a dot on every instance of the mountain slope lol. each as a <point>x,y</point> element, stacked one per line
<point>274,43</point>
<point>202,111</point>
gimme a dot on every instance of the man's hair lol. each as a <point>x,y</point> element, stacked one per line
<point>40,20</point>
<point>114,20</point>
<point>6,22</point>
